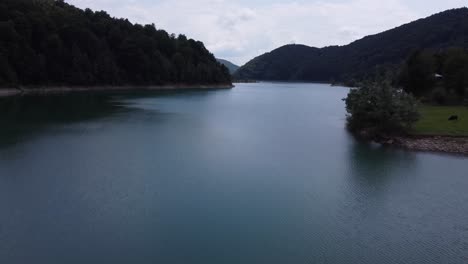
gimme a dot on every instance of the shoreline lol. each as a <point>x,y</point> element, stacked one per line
<point>455,145</point>
<point>53,90</point>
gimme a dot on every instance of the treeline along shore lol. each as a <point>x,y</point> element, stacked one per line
<point>51,46</point>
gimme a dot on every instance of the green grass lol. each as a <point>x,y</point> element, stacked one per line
<point>434,121</point>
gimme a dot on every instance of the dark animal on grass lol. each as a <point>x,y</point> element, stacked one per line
<point>453,118</point>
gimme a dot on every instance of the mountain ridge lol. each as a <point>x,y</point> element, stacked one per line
<point>231,66</point>
<point>361,57</point>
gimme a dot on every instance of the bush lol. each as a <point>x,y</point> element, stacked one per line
<point>380,109</point>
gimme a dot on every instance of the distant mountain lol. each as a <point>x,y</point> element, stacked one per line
<point>231,66</point>
<point>363,57</point>
<point>52,43</point>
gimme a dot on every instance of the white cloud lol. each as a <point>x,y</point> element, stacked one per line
<point>240,30</point>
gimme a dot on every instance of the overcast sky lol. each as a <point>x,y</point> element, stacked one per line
<point>239,30</point>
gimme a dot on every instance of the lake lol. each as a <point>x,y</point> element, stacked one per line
<point>262,173</point>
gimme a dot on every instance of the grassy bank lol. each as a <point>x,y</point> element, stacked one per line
<point>434,121</point>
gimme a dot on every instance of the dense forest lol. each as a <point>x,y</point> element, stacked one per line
<point>439,76</point>
<point>48,43</point>
<point>363,58</point>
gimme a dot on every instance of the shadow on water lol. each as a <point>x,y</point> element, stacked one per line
<point>373,164</point>
<point>22,118</point>
<point>166,93</point>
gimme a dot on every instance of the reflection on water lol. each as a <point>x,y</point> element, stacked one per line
<point>263,173</point>
<point>373,164</point>
<point>24,117</point>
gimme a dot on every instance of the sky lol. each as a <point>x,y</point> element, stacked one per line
<point>239,30</point>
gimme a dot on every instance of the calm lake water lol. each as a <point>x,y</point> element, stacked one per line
<point>263,173</point>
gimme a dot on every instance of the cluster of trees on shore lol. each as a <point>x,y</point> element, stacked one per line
<point>437,76</point>
<point>378,108</point>
<point>387,102</point>
<point>49,42</point>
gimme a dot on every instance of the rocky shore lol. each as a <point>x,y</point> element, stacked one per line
<point>443,144</point>
<point>5,92</point>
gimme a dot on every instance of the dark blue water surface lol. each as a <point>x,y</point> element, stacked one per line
<point>263,173</point>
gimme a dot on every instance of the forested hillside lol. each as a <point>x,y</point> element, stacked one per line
<point>47,42</point>
<point>231,66</point>
<point>364,57</point>
<point>440,76</point>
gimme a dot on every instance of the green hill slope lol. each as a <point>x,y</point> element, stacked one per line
<point>53,43</point>
<point>362,57</point>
